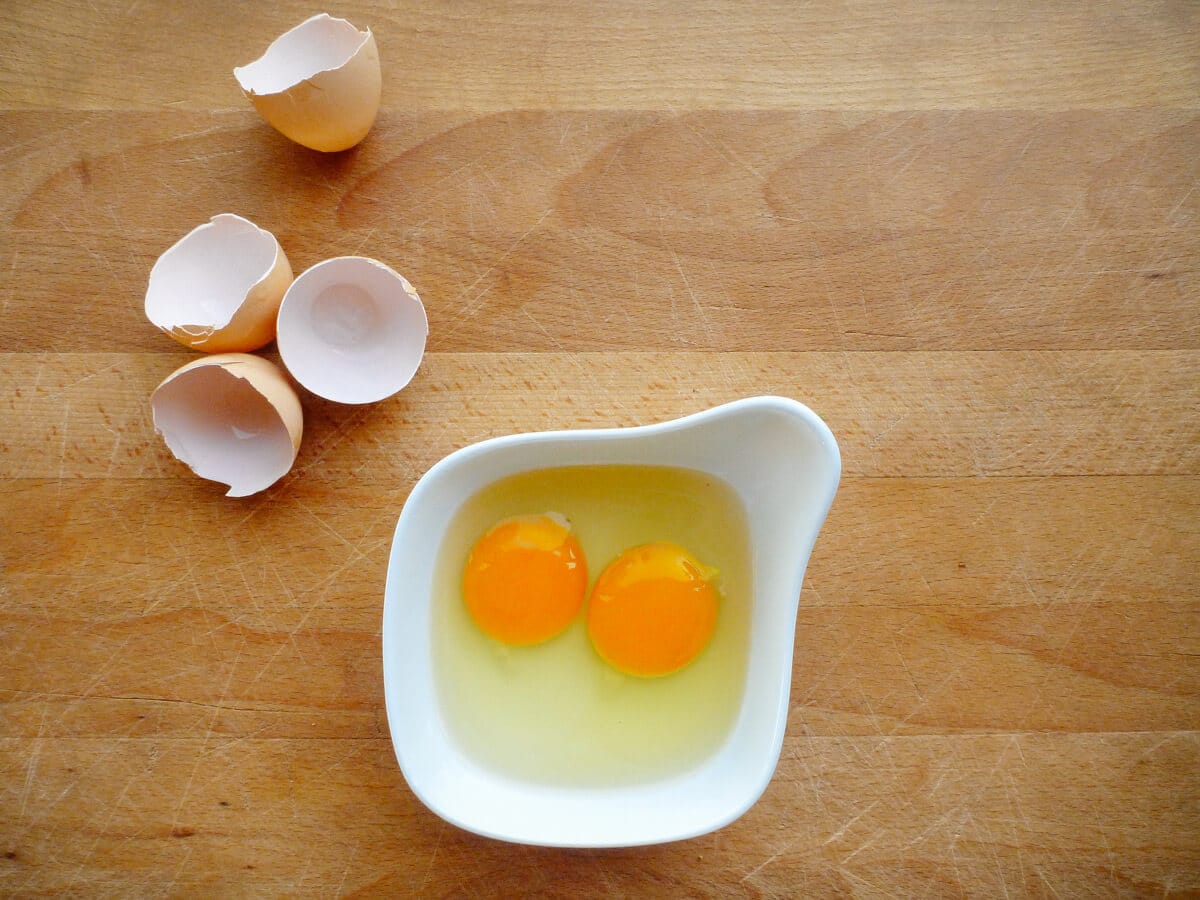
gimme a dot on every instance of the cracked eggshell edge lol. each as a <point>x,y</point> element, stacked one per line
<point>252,324</point>
<point>264,377</point>
<point>330,110</point>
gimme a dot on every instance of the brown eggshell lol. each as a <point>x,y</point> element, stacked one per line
<point>319,84</point>
<point>232,418</point>
<point>218,289</point>
<point>352,330</point>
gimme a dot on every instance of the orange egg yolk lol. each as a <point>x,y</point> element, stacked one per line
<point>525,579</point>
<point>653,609</point>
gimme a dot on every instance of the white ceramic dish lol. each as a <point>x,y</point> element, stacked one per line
<point>783,462</point>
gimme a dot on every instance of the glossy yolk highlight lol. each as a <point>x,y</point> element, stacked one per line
<point>525,579</point>
<point>653,609</point>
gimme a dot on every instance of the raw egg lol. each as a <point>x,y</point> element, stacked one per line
<point>557,712</point>
<point>318,84</point>
<point>232,418</point>
<point>653,609</point>
<point>525,579</point>
<point>218,289</point>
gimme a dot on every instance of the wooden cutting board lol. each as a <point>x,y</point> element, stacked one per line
<point>967,234</point>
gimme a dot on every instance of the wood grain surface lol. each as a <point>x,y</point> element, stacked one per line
<point>967,234</point>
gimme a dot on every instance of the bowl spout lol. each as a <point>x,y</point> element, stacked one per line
<point>779,456</point>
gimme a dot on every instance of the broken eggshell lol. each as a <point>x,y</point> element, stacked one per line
<point>352,330</point>
<point>232,418</point>
<point>219,287</point>
<point>318,84</point>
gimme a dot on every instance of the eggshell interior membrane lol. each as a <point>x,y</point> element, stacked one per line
<point>218,289</point>
<point>232,418</point>
<point>319,84</point>
<point>352,330</point>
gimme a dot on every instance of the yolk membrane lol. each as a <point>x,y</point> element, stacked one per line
<point>525,579</point>
<point>652,610</point>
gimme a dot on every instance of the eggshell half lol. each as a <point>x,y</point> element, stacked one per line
<point>319,84</point>
<point>232,418</point>
<point>219,287</point>
<point>352,330</point>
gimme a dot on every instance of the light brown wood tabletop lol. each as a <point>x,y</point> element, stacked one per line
<point>965,233</point>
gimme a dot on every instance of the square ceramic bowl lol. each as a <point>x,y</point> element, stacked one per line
<point>784,464</point>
